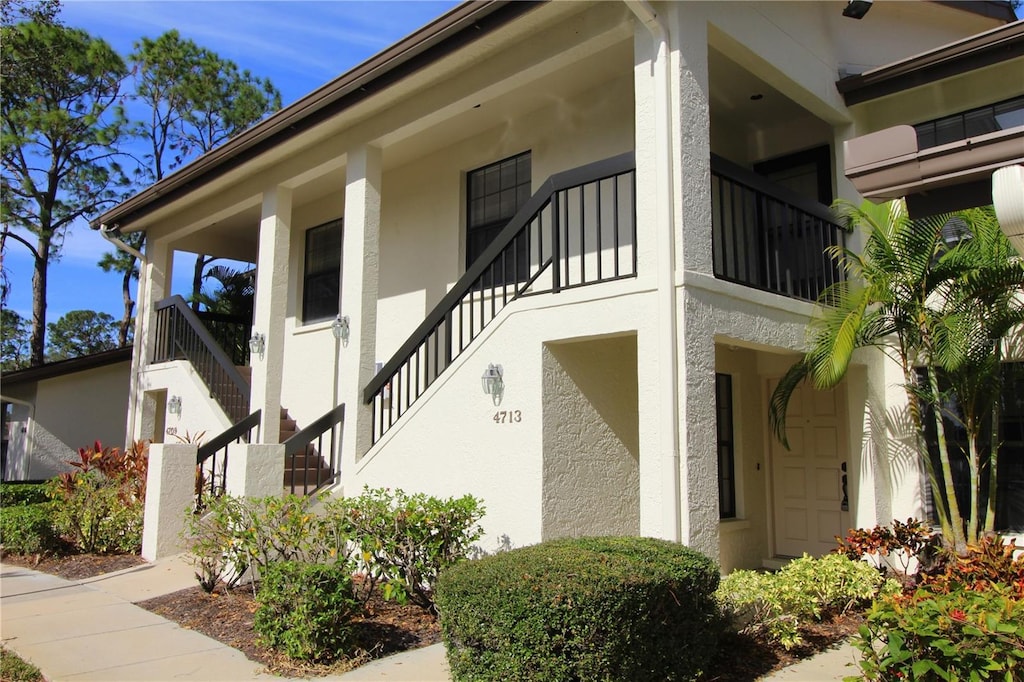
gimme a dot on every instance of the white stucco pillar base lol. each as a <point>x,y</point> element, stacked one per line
<point>170,494</point>
<point>255,470</point>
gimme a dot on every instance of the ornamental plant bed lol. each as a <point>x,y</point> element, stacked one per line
<point>227,615</point>
<point>74,566</point>
<point>388,628</point>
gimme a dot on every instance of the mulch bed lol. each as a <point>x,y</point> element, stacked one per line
<point>387,628</point>
<point>227,616</point>
<point>75,566</point>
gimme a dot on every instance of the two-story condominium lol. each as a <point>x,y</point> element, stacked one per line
<point>551,254</point>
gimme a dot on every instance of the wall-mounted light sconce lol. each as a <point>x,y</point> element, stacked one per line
<point>340,329</point>
<point>258,344</point>
<point>493,382</point>
<point>174,405</point>
<point>856,9</point>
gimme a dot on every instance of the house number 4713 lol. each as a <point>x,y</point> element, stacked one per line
<point>507,417</point>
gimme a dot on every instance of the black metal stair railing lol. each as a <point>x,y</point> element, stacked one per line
<point>578,229</point>
<point>766,237</point>
<point>308,466</point>
<point>181,335</point>
<point>212,457</point>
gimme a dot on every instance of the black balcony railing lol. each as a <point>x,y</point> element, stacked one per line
<point>766,237</point>
<point>231,332</point>
<point>181,335</point>
<point>578,229</point>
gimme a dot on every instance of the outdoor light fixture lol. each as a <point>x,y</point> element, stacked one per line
<point>174,405</point>
<point>493,382</point>
<point>258,344</point>
<point>340,328</point>
<point>856,9</point>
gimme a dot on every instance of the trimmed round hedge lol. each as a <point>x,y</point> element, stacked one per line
<point>606,608</point>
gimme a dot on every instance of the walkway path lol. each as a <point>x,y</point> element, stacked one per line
<point>91,630</point>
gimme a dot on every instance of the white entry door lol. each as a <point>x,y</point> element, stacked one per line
<point>807,479</point>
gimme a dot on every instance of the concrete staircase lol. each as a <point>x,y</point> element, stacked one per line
<point>305,472</point>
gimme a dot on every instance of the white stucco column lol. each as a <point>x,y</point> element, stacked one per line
<point>359,278</point>
<point>659,451</point>
<point>695,345</point>
<point>270,302</point>
<point>170,494</point>
<point>255,470</point>
<point>154,285</point>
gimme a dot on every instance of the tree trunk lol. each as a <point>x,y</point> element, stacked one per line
<point>129,305</point>
<point>197,280</point>
<point>952,506</point>
<point>37,341</point>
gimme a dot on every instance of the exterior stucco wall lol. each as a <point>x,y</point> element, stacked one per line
<point>200,415</point>
<point>68,412</point>
<point>423,203</point>
<point>591,439</point>
<point>449,444</point>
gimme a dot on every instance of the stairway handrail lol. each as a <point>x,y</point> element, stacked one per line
<point>207,340</point>
<point>231,434</point>
<point>591,172</point>
<point>297,442</point>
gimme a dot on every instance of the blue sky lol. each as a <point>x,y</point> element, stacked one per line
<point>299,45</point>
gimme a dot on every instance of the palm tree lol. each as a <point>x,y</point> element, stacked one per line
<point>924,303</point>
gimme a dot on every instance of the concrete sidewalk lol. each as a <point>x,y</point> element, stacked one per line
<point>91,630</point>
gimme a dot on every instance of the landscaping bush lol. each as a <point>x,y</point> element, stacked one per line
<point>94,513</point>
<point>900,550</point>
<point>233,534</point>
<point>804,589</point>
<point>581,609</point>
<point>962,635</point>
<point>988,563</point>
<point>405,541</point>
<point>14,494</point>
<point>305,609</point>
<point>27,529</point>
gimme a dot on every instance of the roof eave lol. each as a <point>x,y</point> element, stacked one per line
<point>433,41</point>
<point>978,51</point>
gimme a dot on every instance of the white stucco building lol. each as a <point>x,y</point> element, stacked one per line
<point>621,204</point>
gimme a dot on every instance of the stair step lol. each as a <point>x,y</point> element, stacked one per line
<point>299,462</point>
<point>309,477</point>
<point>245,371</point>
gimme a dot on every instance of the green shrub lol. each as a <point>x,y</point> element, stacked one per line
<point>233,534</point>
<point>305,609</point>
<point>405,541</point>
<point>965,634</point>
<point>581,609</point>
<point>14,494</point>
<point>27,529</point>
<point>94,513</point>
<point>806,588</point>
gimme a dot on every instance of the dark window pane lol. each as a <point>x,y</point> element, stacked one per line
<point>322,272</point>
<point>726,456</point>
<point>495,193</point>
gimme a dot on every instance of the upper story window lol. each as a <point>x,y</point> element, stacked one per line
<point>987,119</point>
<point>494,194</point>
<point>321,272</point>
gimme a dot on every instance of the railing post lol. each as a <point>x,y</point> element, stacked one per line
<point>556,243</point>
